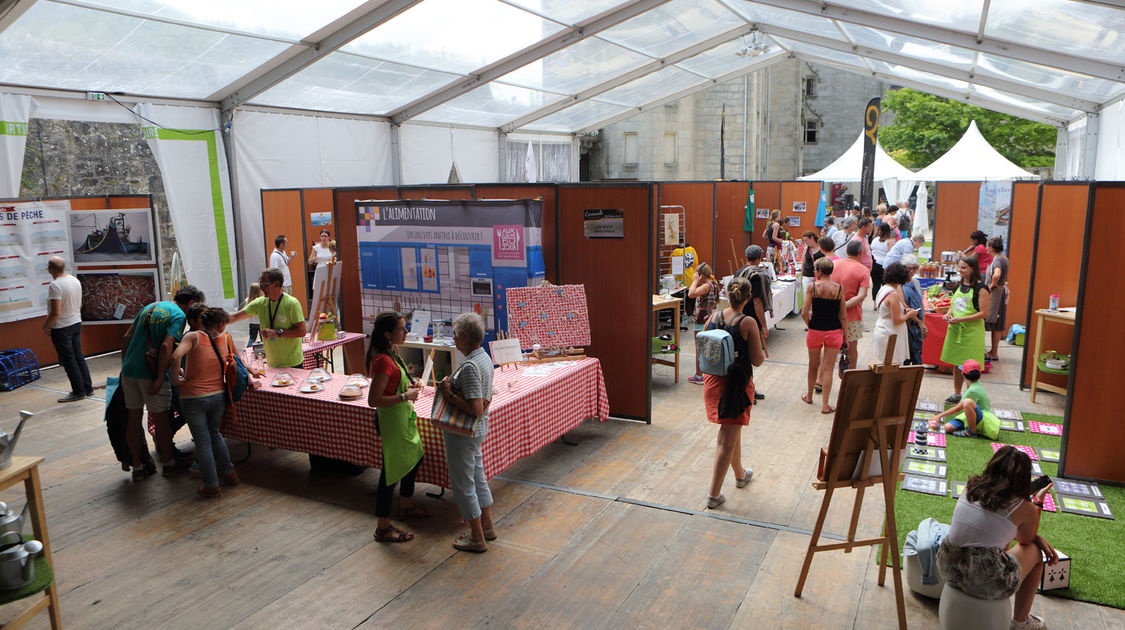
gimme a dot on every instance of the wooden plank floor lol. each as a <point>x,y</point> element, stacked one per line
<point>609,533</point>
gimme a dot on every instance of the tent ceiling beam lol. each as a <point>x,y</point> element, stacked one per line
<point>1004,85</point>
<point>300,56</point>
<point>1005,108</point>
<point>992,46</point>
<point>11,10</point>
<point>763,62</point>
<point>554,43</point>
<point>632,75</point>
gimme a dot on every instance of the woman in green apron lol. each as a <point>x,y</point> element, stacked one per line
<point>393,393</point>
<point>965,338</point>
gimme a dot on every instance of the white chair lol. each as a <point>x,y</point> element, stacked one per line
<point>913,569</point>
<point>958,611</point>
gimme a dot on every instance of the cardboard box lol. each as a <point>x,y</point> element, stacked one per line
<point>1057,576</point>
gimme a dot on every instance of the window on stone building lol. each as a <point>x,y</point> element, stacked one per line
<point>671,153</point>
<point>810,86</point>
<point>811,128</point>
<point>632,151</point>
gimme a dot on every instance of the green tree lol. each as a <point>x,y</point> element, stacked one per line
<point>925,126</point>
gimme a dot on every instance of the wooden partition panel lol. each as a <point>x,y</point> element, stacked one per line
<point>549,194</point>
<point>766,195</point>
<point>698,200</point>
<point>1091,438</point>
<point>1057,268</point>
<point>808,192</point>
<point>956,207</point>
<point>620,305</point>
<point>96,339</point>
<point>348,240</point>
<point>730,217</point>
<point>436,192</point>
<point>1021,239</point>
<point>281,214</point>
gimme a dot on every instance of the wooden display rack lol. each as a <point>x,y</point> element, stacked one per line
<point>26,469</point>
<point>873,414</point>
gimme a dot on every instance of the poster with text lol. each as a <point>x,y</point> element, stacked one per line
<point>30,233</point>
<point>994,209</point>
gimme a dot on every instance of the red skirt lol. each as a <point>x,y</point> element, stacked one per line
<point>713,387</point>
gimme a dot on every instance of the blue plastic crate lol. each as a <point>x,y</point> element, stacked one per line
<point>18,367</point>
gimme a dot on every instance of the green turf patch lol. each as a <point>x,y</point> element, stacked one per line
<point>1097,569</point>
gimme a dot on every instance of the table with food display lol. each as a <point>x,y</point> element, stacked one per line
<point>327,414</point>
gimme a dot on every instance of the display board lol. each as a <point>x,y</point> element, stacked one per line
<point>30,233</point>
<point>553,316</point>
<point>956,210</point>
<point>447,257</point>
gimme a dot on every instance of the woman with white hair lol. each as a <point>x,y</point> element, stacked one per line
<point>470,390</point>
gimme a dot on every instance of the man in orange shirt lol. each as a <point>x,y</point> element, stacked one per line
<point>854,276</point>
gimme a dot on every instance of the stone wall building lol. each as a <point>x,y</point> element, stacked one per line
<point>787,120</point>
<point>76,159</point>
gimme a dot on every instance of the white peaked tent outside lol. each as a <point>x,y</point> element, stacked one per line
<point>848,166</point>
<point>972,159</point>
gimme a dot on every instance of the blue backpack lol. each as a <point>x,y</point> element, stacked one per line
<point>715,348</point>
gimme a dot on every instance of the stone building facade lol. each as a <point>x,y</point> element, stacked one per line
<point>75,159</point>
<point>787,120</point>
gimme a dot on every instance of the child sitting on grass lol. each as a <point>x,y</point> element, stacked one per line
<point>973,415</point>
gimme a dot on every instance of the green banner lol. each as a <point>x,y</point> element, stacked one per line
<point>13,128</point>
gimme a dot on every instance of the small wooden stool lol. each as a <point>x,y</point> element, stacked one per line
<point>26,469</point>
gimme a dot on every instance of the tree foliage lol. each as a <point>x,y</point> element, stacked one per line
<point>925,126</point>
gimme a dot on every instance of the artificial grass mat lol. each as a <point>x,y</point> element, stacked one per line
<point>1097,567</point>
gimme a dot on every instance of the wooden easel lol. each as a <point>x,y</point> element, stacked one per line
<point>873,414</point>
<point>325,304</point>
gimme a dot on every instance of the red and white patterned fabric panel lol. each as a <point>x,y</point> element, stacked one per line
<point>309,350</point>
<point>553,316</point>
<point>523,420</point>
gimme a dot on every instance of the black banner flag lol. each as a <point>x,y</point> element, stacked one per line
<point>870,137</point>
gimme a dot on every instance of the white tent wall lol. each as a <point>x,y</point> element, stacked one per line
<point>279,150</point>
<point>14,111</point>
<point>189,149</point>
<point>427,153</point>
<point>554,158</point>
<point>1069,149</point>
<point>1111,144</point>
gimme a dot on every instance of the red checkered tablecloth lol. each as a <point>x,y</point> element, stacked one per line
<point>540,404</point>
<point>309,350</point>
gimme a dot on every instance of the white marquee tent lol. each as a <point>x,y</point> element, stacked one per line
<point>354,92</point>
<point>972,159</point>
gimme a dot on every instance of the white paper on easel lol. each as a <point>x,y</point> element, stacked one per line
<point>326,278</point>
<point>505,351</point>
<point>427,370</point>
<point>420,323</point>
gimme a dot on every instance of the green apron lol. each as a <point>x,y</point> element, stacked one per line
<point>963,340</point>
<point>398,430</point>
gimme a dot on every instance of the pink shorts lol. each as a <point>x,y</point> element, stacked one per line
<point>820,338</point>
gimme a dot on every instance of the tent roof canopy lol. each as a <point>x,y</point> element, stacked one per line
<point>847,167</point>
<point>972,159</point>
<point>558,66</point>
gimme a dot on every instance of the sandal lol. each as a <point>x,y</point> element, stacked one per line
<point>392,534</point>
<point>808,400</point>
<point>490,534</point>
<point>830,409</point>
<point>414,513</point>
<point>818,388</point>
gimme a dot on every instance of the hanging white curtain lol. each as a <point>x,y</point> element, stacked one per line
<point>922,212</point>
<point>188,148</point>
<point>898,190</point>
<point>14,110</point>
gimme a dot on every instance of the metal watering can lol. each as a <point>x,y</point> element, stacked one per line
<point>7,445</point>
<point>10,521</point>
<point>17,561</point>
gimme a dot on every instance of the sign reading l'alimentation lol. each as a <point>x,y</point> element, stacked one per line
<point>603,223</point>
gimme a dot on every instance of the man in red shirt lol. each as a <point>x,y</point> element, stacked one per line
<point>856,280</point>
<point>862,233</point>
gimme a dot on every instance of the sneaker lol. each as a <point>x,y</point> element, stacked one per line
<point>741,483</point>
<point>141,472</point>
<point>90,393</point>
<point>71,397</point>
<point>953,399</point>
<point>759,396</point>
<point>231,478</point>
<point>714,502</point>
<point>1034,622</point>
<point>210,492</point>
<point>465,543</point>
<point>698,380</point>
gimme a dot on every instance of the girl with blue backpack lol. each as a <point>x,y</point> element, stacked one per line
<point>731,347</point>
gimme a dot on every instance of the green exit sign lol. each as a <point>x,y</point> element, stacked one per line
<point>95,96</point>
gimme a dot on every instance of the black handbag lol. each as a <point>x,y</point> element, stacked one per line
<point>845,363</point>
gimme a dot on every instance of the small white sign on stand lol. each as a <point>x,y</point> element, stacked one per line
<point>420,323</point>
<point>505,351</point>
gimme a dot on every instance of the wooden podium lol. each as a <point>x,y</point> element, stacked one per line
<point>873,414</point>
